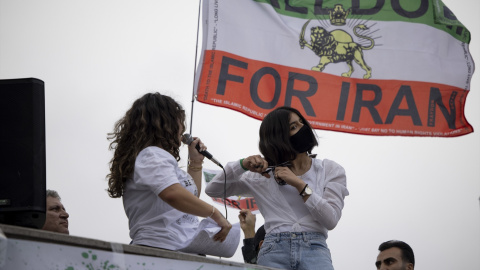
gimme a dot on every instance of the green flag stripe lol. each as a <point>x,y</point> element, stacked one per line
<point>430,12</point>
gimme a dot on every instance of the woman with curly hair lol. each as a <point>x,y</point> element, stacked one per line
<point>160,199</point>
<point>300,197</point>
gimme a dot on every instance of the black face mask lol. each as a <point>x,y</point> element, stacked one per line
<point>303,140</point>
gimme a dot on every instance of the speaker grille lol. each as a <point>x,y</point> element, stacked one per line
<point>22,154</point>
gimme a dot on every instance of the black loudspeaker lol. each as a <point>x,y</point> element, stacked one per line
<point>22,152</point>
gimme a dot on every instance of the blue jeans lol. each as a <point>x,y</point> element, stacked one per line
<point>295,250</point>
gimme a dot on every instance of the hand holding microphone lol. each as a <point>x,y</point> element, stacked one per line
<point>188,139</point>
<point>195,145</point>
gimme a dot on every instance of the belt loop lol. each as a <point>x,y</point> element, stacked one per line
<point>278,237</point>
<point>305,238</point>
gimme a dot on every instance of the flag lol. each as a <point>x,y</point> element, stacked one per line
<point>366,67</point>
<point>238,202</point>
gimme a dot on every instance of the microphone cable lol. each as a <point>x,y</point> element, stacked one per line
<point>225,193</point>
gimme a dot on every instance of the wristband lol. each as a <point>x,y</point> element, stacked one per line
<point>213,211</point>
<point>303,190</point>
<point>241,164</point>
<point>195,161</point>
<point>194,168</point>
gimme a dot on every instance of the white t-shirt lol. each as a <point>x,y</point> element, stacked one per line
<point>152,221</point>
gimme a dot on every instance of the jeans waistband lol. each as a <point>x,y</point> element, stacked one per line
<point>295,236</point>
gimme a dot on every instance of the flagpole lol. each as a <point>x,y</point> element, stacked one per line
<point>195,66</point>
<point>193,100</point>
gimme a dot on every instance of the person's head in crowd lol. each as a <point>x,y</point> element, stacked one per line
<point>56,218</point>
<point>395,255</point>
<point>259,237</point>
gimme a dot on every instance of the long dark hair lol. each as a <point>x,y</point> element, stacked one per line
<point>274,134</point>
<point>153,120</point>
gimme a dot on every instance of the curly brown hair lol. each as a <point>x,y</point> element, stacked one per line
<point>153,120</point>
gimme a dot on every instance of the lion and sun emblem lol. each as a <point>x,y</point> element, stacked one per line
<point>338,46</point>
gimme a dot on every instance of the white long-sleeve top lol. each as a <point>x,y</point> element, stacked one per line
<point>281,206</point>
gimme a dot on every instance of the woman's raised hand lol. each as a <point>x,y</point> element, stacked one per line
<point>255,163</point>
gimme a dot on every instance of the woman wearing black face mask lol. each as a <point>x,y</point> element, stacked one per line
<point>300,197</point>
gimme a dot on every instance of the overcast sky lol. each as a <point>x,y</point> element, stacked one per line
<point>97,57</point>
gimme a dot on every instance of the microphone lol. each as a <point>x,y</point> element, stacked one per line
<point>188,139</point>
